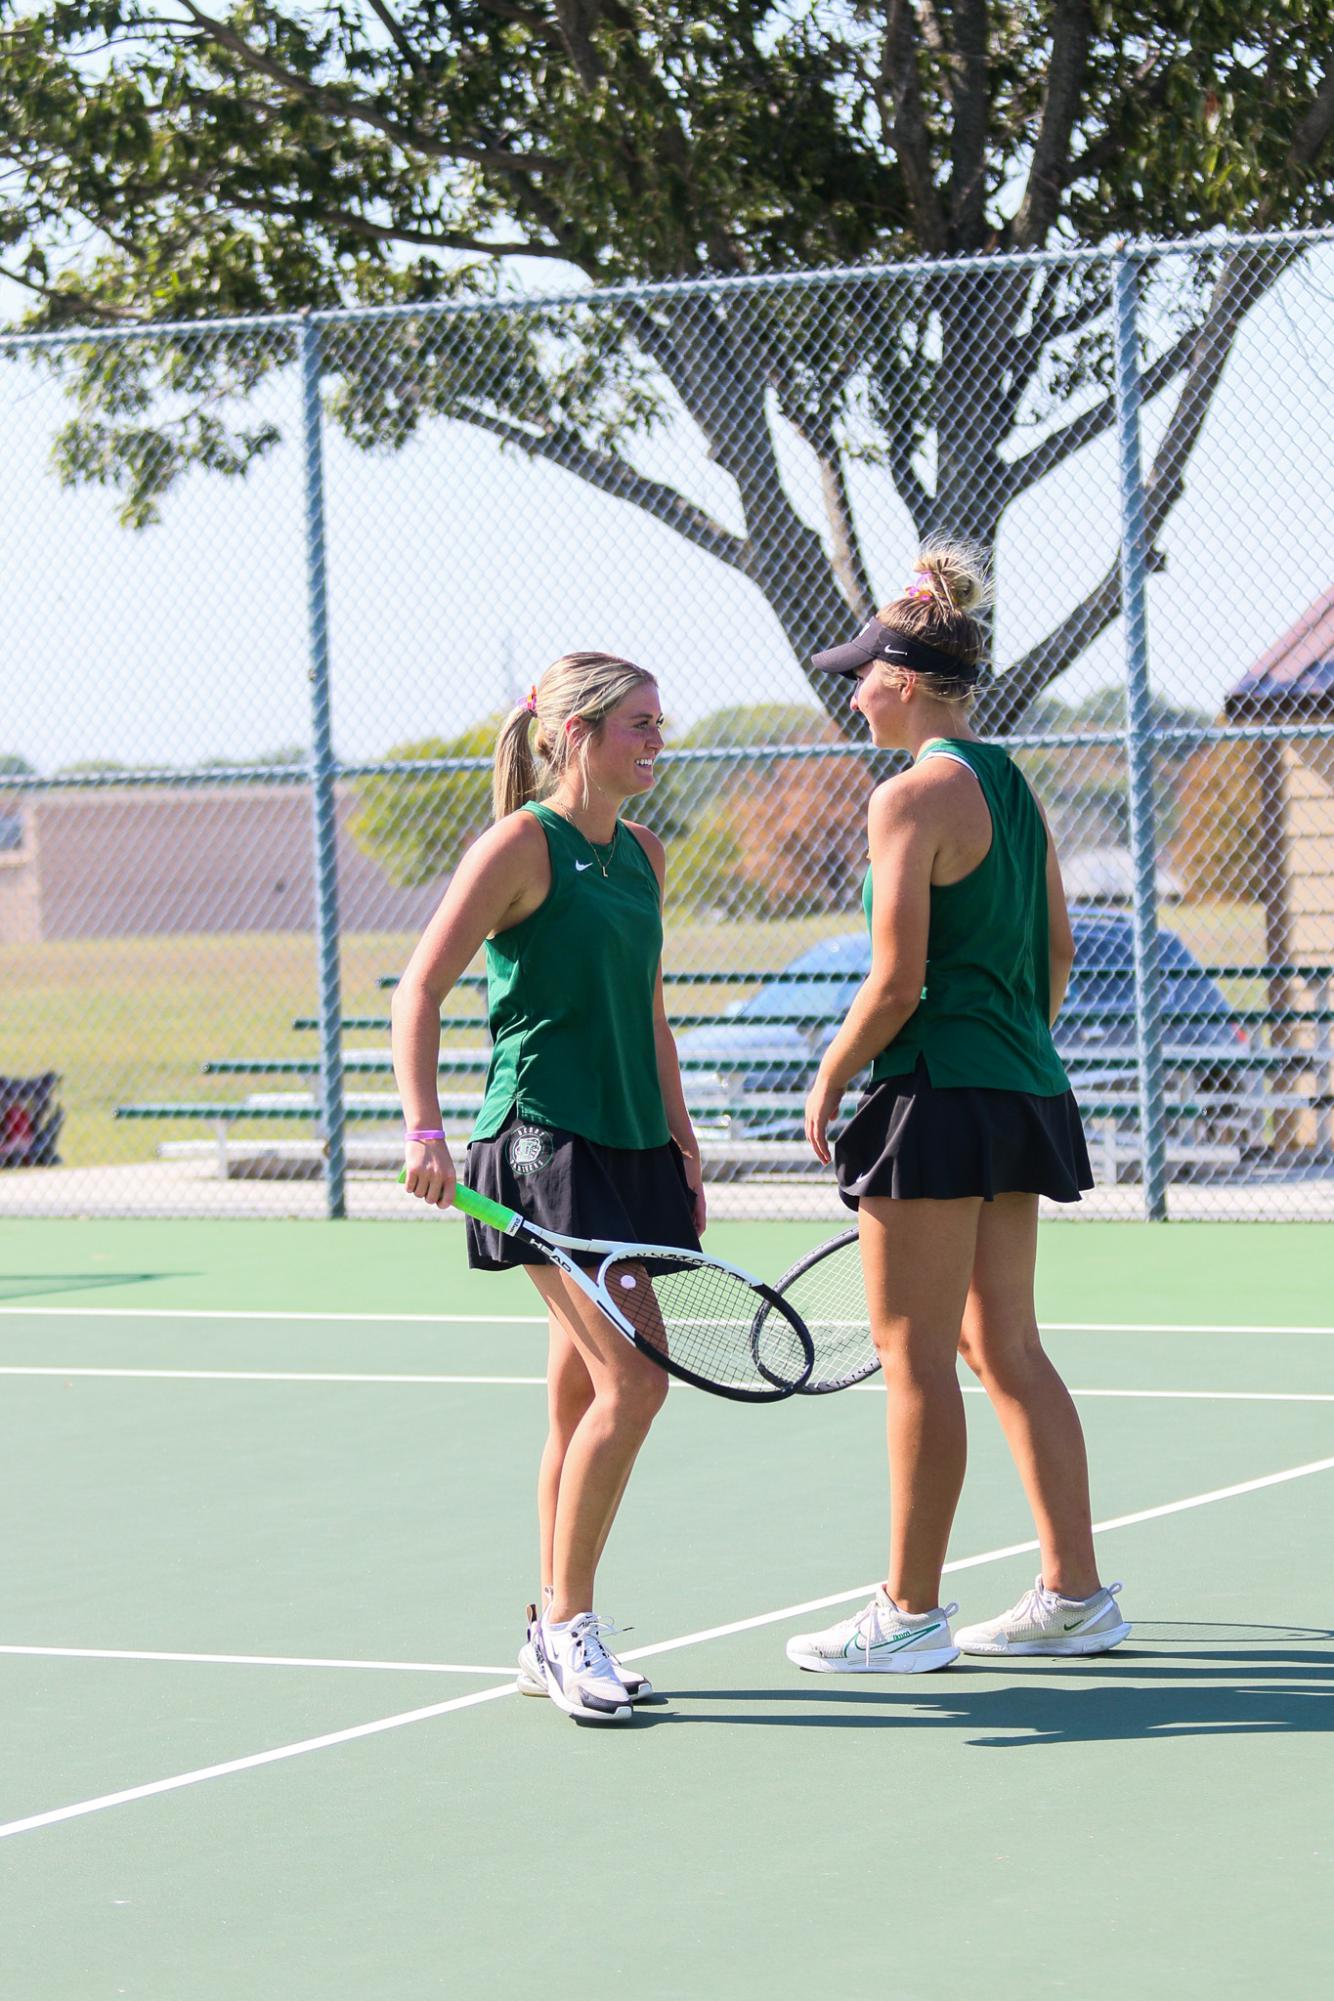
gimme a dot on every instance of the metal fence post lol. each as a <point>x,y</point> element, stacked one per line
<point>1139,741</point>
<point>322,770</point>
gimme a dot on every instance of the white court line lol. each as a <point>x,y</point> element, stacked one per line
<point>253,1660</point>
<point>391,1319</point>
<point>260,1376</point>
<point>81,1807</point>
<point>989,1556</point>
<point>386,1318</point>
<point>539,1382</point>
<point>249,1763</point>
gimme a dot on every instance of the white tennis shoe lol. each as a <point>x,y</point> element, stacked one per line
<point>879,1640</point>
<point>1045,1623</point>
<point>580,1675</point>
<point>531,1677</point>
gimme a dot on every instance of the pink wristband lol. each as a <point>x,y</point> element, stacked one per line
<point>422,1133</point>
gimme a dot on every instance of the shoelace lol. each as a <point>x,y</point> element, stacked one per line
<point>868,1622</point>
<point>586,1638</point>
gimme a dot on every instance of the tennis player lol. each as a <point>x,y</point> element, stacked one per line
<point>583,1128</point>
<point>968,1119</point>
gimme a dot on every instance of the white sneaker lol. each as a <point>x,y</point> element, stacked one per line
<point>580,1676</point>
<point>879,1640</point>
<point>531,1677</point>
<point>1045,1623</point>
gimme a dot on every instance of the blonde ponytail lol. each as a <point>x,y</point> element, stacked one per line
<point>514,780</point>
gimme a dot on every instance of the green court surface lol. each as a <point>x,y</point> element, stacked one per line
<point>268,1536</point>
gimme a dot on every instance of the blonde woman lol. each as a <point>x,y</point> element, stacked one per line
<point>968,1120</point>
<point>584,1127</point>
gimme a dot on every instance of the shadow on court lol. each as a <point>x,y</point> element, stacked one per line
<point>1147,1695</point>
<point>33,1285</point>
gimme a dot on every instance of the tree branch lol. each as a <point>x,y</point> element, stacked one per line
<point>396,34</point>
<point>1031,466</point>
<point>1071,35</point>
<point>578,20</point>
<point>1248,273</point>
<point>345,104</point>
<point>89,308</point>
<point>325,217</point>
<point>846,554</point>
<point>906,124</point>
<point>520,17</point>
<point>1313,133</point>
<point>1148,89</point>
<point>970,94</point>
<point>609,474</point>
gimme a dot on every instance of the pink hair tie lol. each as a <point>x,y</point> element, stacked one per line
<point>530,700</point>
<point>423,1133</point>
<point>922,590</point>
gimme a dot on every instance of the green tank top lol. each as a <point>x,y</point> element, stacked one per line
<point>982,1019</point>
<point>569,993</point>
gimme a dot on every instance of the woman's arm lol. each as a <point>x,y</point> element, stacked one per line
<point>499,879</point>
<point>1060,938</point>
<point>905,833</point>
<point>664,1044</point>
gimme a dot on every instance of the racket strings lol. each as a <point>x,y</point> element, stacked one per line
<point>829,1295</point>
<point>705,1321</point>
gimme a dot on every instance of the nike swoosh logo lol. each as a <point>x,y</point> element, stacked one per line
<point>579,867</point>
<point>890,1646</point>
<point>1070,1627</point>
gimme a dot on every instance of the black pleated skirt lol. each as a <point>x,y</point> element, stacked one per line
<point>563,1182</point>
<point>912,1142</point>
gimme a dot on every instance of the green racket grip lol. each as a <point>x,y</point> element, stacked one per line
<point>482,1209</point>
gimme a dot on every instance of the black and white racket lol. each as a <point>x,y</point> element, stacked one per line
<point>828,1293</point>
<point>692,1314</point>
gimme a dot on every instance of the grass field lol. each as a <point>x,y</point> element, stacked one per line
<point>133,1019</point>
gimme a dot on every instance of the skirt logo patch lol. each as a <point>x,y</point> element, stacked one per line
<point>530,1149</point>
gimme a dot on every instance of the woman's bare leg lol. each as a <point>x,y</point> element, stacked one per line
<point>569,1393</point>
<point>1001,1344</point>
<point>627,1393</point>
<point>918,1259</point>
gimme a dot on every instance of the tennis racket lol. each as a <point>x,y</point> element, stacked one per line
<point>828,1293</point>
<point>691,1314</point>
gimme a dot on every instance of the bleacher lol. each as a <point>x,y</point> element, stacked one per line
<point>747,1108</point>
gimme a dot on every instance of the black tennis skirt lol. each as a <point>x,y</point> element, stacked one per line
<point>912,1142</point>
<point>563,1182</point>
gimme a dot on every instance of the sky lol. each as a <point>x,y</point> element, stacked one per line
<point>456,573</point>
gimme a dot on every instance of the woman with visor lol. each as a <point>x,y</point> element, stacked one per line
<point>967,1120</point>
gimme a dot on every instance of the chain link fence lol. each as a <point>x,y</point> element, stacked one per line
<point>269,586</point>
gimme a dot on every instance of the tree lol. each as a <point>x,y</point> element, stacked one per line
<point>800,851</point>
<point>14,766</point>
<point>688,787</point>
<point>167,160</point>
<point>417,827</point>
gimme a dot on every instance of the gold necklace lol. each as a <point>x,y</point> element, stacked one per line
<point>591,845</point>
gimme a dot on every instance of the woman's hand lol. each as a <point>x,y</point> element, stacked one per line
<point>699,1207</point>
<point>822,1106</point>
<point>429,1171</point>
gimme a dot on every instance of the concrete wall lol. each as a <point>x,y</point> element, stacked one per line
<point>231,858</point>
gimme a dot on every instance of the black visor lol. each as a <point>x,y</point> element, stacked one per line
<point>879,642</point>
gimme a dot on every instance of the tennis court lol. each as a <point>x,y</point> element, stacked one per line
<point>268,1537</point>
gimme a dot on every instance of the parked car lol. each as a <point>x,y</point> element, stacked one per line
<point>770,1043</point>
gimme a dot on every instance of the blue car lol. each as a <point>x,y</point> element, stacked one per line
<point>768,1045</point>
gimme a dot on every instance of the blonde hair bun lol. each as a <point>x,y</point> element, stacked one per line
<point>957,575</point>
